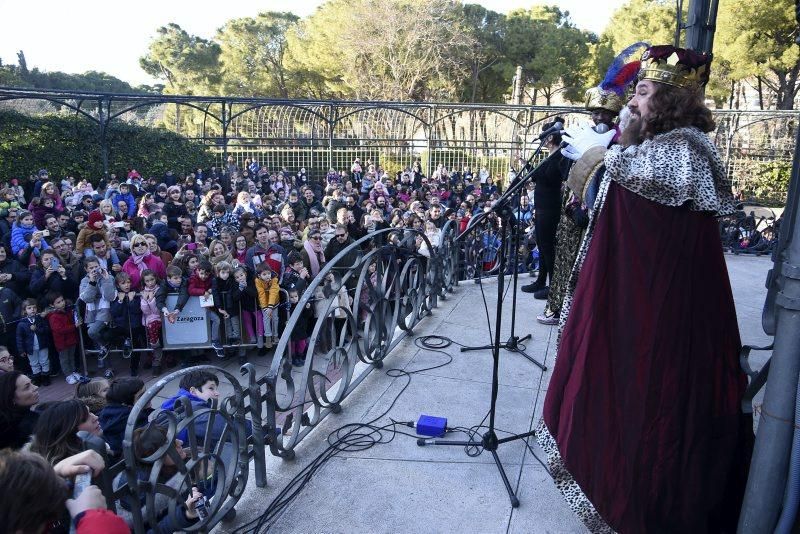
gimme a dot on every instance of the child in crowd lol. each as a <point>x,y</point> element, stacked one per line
<point>268,298</point>
<point>97,291</point>
<point>22,228</point>
<point>32,342</point>
<point>121,396</point>
<point>199,285</point>
<point>174,283</point>
<point>252,318</point>
<point>202,389</point>
<point>93,394</point>
<point>227,296</point>
<point>151,318</point>
<point>96,225</point>
<point>65,335</point>
<point>126,314</point>
<point>297,276</point>
<point>298,342</point>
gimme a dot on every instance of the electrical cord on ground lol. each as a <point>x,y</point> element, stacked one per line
<point>355,437</point>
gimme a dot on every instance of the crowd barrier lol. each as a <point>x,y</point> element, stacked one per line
<point>363,308</point>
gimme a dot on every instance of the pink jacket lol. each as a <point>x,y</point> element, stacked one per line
<point>150,311</point>
<point>153,263</point>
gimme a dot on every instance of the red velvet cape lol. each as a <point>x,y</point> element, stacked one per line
<point>644,401</point>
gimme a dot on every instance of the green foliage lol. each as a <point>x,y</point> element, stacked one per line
<point>651,21</point>
<point>399,50</point>
<point>21,76</point>
<point>252,55</point>
<point>767,181</point>
<point>189,64</point>
<point>69,145</point>
<point>490,69</point>
<point>757,39</point>
<point>552,51</point>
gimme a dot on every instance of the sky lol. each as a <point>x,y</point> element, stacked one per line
<point>110,36</point>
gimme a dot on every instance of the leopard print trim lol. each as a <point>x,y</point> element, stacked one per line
<point>567,485</point>
<point>672,169</point>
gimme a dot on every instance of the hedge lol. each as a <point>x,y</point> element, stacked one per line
<point>70,146</point>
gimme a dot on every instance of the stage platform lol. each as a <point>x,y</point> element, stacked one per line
<point>400,487</point>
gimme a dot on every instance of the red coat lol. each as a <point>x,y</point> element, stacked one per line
<point>65,334</point>
<point>101,522</point>
<point>197,287</point>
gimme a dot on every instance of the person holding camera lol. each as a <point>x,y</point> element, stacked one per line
<point>97,291</point>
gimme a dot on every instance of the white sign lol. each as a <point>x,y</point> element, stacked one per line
<point>191,326</point>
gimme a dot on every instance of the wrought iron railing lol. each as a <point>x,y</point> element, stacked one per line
<point>365,306</point>
<point>319,135</point>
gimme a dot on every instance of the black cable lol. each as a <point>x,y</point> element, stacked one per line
<point>352,437</point>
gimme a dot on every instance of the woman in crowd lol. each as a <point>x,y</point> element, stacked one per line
<point>218,253</point>
<point>55,436</point>
<point>155,250</point>
<point>18,396</point>
<point>142,258</point>
<point>49,275</point>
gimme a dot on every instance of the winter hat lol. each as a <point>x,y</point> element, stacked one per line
<point>95,217</point>
<point>173,188</point>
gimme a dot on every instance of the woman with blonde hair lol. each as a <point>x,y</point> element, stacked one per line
<point>142,258</point>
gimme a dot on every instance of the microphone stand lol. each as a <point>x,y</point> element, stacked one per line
<point>489,441</point>
<point>514,343</point>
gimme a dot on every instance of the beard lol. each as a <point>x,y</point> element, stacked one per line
<point>634,132</point>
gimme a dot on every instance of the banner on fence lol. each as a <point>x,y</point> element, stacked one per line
<point>191,328</point>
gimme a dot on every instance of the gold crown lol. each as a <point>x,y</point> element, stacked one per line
<point>671,72</point>
<point>597,98</point>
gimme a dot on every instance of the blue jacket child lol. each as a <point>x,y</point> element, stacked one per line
<point>192,385</point>
<point>20,230</point>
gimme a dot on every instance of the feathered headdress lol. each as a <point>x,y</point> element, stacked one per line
<point>610,94</point>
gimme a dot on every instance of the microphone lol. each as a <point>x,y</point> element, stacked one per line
<point>601,128</point>
<point>558,127</point>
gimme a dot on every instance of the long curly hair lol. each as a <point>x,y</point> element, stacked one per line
<point>677,107</point>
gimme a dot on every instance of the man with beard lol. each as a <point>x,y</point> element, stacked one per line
<point>352,205</point>
<point>642,421</point>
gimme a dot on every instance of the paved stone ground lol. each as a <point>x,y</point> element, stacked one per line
<point>400,487</point>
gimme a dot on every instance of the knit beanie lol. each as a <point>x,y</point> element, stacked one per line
<point>95,217</point>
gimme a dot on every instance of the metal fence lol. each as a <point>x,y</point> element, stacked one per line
<point>366,300</point>
<point>319,135</point>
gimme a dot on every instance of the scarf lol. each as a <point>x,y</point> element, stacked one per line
<point>138,260</point>
<point>315,256</point>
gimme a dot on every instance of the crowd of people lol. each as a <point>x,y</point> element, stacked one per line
<point>42,447</point>
<point>91,266</point>
<point>104,257</point>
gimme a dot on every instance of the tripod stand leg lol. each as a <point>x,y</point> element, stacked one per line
<point>511,496</point>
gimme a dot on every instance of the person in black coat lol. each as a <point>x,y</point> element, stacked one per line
<point>13,275</point>
<point>548,177</point>
<point>122,395</point>
<point>50,275</point>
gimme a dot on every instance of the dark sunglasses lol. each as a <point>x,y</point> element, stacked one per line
<point>341,235</point>
<point>316,238</point>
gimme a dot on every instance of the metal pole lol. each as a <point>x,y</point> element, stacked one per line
<point>102,118</point>
<point>225,122</point>
<point>770,463</point>
<point>701,25</point>
<point>331,125</point>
